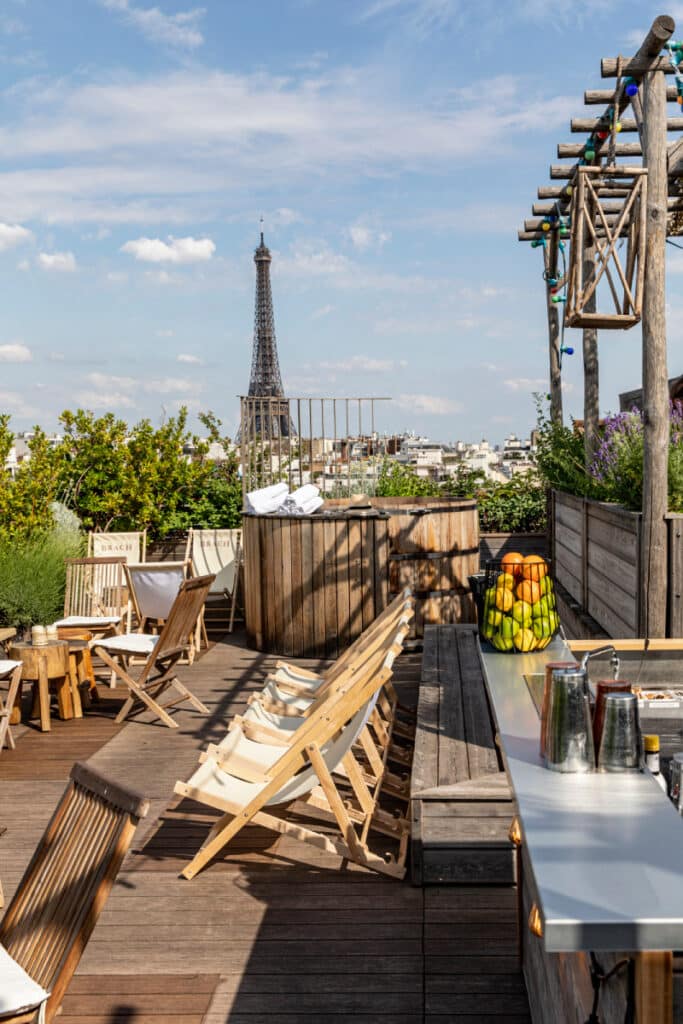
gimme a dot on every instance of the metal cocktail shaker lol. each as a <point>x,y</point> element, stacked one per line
<point>569,730</point>
<point>621,743</point>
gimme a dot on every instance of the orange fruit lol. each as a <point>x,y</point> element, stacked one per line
<point>528,590</point>
<point>512,562</point>
<point>534,568</point>
<point>504,599</point>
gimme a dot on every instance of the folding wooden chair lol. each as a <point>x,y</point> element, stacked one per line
<point>153,587</point>
<point>245,775</point>
<point>56,906</point>
<point>95,597</point>
<point>9,670</point>
<point>162,654</point>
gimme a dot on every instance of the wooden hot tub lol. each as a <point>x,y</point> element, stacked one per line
<point>312,584</point>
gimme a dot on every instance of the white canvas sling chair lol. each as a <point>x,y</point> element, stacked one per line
<point>303,769</point>
<point>295,681</point>
<point>162,655</point>
<point>131,546</point>
<point>94,597</point>
<point>218,552</point>
<point>11,671</point>
<point>153,587</point>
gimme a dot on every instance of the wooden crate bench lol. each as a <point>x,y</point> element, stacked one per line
<point>461,802</point>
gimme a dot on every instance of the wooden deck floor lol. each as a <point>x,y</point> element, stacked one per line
<point>273,932</point>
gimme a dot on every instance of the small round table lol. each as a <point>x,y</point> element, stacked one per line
<point>45,665</point>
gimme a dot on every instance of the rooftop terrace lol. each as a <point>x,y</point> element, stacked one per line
<point>274,930</point>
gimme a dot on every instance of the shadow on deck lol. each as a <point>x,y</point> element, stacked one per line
<point>273,931</point>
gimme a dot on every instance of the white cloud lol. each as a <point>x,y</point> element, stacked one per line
<point>431,405</point>
<point>284,217</point>
<point>177,30</point>
<point>529,384</point>
<point>363,364</point>
<point>165,332</point>
<point>322,311</point>
<point>123,149</point>
<point>422,16</point>
<point>23,265</point>
<point>176,250</point>
<point>105,400</point>
<point>106,380</point>
<point>364,237</point>
<point>15,402</point>
<point>117,276</point>
<point>185,357</point>
<point>13,234</point>
<point>168,385</point>
<point>63,262</point>
<point>159,277</point>
<point>15,352</point>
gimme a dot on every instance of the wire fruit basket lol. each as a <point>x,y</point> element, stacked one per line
<point>518,612</point>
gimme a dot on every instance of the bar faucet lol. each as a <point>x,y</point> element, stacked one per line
<point>607,649</point>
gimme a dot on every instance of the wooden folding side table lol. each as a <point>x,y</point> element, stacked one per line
<point>44,665</point>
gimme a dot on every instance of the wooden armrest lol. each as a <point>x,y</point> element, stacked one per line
<point>296,689</point>
<point>278,707</point>
<point>258,732</point>
<point>296,670</point>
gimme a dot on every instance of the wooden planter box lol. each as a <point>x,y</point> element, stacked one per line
<point>596,556</point>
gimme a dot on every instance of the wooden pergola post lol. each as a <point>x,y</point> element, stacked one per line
<point>550,264</point>
<point>655,377</point>
<point>591,369</point>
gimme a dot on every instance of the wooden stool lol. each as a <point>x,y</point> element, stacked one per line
<point>81,672</point>
<point>44,665</point>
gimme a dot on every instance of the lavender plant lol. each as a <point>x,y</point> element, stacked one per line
<point>617,467</point>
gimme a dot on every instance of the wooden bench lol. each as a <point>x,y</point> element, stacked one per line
<point>461,802</point>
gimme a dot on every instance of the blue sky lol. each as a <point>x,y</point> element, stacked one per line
<point>393,148</point>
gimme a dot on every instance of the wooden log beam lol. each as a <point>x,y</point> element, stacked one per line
<point>628,124</point>
<point>635,66</point>
<point>535,223</point>
<point>653,547</point>
<point>558,192</point>
<point>543,209</point>
<point>598,97</point>
<point>569,149</point>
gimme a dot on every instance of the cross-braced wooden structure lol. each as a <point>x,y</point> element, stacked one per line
<point>615,218</point>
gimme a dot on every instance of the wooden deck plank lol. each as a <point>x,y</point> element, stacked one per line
<point>274,930</point>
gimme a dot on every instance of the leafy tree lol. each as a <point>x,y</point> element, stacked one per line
<point>25,499</point>
<point>399,481</point>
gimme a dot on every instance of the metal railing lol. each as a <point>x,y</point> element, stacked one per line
<point>330,442</point>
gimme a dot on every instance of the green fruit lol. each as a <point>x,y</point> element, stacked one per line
<point>540,608</point>
<point>542,627</point>
<point>508,627</point>
<point>501,643</point>
<point>494,618</point>
<point>546,585</point>
<point>554,621</point>
<point>521,612</point>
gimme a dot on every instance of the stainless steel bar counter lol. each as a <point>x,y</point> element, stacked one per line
<point>606,850</point>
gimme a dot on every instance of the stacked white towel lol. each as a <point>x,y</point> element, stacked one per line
<point>267,499</point>
<point>302,502</point>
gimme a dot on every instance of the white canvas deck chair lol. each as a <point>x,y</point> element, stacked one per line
<point>130,546</point>
<point>95,596</point>
<point>243,776</point>
<point>10,672</point>
<point>162,654</point>
<point>219,552</point>
<point>153,587</point>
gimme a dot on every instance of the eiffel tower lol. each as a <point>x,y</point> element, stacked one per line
<point>267,419</point>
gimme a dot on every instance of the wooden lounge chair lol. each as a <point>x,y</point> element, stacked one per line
<point>55,908</point>
<point>243,775</point>
<point>153,587</point>
<point>95,597</point>
<point>131,546</point>
<point>9,670</point>
<point>162,654</point>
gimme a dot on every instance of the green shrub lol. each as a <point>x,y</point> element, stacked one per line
<point>398,481</point>
<point>516,506</point>
<point>32,578</point>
